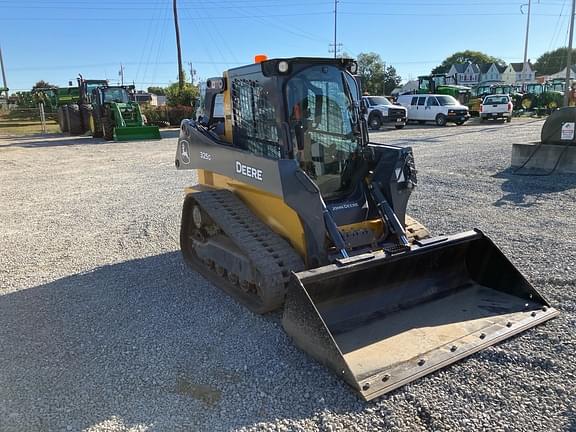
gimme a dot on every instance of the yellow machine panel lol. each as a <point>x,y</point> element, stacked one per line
<point>269,208</point>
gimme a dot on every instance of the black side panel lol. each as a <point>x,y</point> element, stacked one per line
<point>395,173</point>
<point>303,196</point>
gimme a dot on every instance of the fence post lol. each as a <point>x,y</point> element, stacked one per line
<point>42,117</point>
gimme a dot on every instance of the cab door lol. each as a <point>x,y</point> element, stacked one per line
<point>413,108</point>
<point>431,109</point>
<point>418,106</point>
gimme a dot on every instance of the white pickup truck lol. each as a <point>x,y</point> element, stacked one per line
<point>381,110</point>
<point>496,107</point>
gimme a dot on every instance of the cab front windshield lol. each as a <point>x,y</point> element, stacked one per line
<point>322,104</point>
<point>378,100</point>
<point>445,100</point>
<point>115,95</point>
<point>439,80</point>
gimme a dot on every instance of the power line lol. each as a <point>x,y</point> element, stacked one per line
<point>112,19</point>
<point>131,8</point>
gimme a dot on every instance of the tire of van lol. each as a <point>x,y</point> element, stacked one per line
<point>441,120</point>
<point>375,121</point>
<point>399,126</point>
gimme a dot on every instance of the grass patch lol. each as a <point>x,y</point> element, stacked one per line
<point>26,122</point>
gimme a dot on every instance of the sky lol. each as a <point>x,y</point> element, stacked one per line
<point>55,40</point>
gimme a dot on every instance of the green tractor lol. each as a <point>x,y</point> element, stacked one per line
<point>540,97</point>
<point>479,92</point>
<point>438,84</point>
<point>115,116</point>
<point>103,110</point>
<point>75,105</point>
<point>65,96</point>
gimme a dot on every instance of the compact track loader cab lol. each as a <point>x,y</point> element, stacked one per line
<point>295,206</point>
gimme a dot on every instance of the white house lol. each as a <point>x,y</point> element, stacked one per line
<point>467,74</point>
<point>490,72</point>
<point>409,87</point>
<point>517,73</point>
<point>157,100</point>
<point>562,73</point>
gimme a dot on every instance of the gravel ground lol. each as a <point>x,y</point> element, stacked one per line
<point>103,328</point>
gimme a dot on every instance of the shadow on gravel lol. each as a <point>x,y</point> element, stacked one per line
<point>170,133</point>
<point>148,341</point>
<point>524,191</point>
<point>59,140</point>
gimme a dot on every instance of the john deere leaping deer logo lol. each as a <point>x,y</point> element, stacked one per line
<point>185,151</point>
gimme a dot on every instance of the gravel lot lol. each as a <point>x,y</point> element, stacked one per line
<point>103,328</point>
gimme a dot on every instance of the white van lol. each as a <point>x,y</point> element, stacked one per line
<point>434,107</point>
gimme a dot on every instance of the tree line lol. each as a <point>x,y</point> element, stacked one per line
<point>174,95</point>
<point>549,63</point>
<point>376,76</point>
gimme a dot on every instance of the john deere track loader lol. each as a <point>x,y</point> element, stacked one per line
<point>294,206</point>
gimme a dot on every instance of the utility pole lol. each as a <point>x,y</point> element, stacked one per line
<point>525,64</point>
<point>192,73</point>
<point>335,26</point>
<point>3,74</point>
<point>569,56</point>
<point>121,73</point>
<point>180,69</point>
<point>336,45</point>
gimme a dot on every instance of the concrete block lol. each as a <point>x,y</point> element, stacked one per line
<point>545,157</point>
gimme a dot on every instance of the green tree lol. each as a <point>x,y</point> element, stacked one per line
<point>391,80</point>
<point>43,84</point>
<point>160,91</point>
<point>185,96</point>
<point>376,78</point>
<point>552,62</point>
<point>459,57</point>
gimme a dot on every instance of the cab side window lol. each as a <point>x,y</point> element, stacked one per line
<point>254,119</point>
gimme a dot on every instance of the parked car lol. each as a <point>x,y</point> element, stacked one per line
<point>381,110</point>
<point>438,108</point>
<point>496,107</point>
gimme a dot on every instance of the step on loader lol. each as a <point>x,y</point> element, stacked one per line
<point>295,207</point>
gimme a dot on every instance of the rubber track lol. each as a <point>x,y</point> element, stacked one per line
<point>272,257</point>
<point>415,230</point>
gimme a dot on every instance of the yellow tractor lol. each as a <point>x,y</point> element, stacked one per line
<point>295,207</point>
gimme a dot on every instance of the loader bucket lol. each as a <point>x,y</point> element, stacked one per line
<point>135,133</point>
<point>381,321</point>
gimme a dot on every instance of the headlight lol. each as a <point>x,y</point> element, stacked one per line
<point>215,83</point>
<point>283,66</point>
